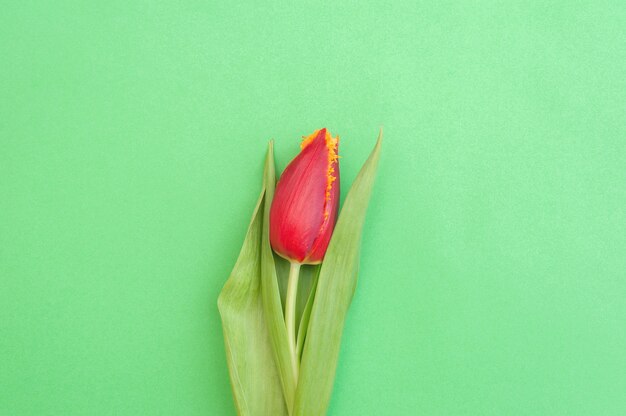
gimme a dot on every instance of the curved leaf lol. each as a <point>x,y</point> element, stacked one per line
<point>335,287</point>
<point>271,294</point>
<point>254,378</point>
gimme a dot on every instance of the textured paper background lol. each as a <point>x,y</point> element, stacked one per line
<point>132,138</point>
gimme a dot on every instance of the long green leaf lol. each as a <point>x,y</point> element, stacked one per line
<point>254,378</point>
<point>271,294</point>
<point>335,287</point>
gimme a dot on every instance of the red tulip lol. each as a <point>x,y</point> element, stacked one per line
<point>306,201</point>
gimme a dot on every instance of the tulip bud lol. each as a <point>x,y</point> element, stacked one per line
<point>306,201</point>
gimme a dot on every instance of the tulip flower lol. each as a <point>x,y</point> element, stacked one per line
<point>304,208</point>
<point>304,212</point>
<point>272,371</point>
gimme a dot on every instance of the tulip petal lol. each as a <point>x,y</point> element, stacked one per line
<point>331,203</point>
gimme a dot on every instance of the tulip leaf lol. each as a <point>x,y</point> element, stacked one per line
<point>335,288</point>
<point>254,378</point>
<point>272,304</point>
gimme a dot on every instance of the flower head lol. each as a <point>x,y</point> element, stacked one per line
<point>306,201</point>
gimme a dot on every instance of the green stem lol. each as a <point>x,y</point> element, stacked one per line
<point>290,315</point>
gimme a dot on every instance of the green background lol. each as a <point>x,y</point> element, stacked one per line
<point>132,137</point>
